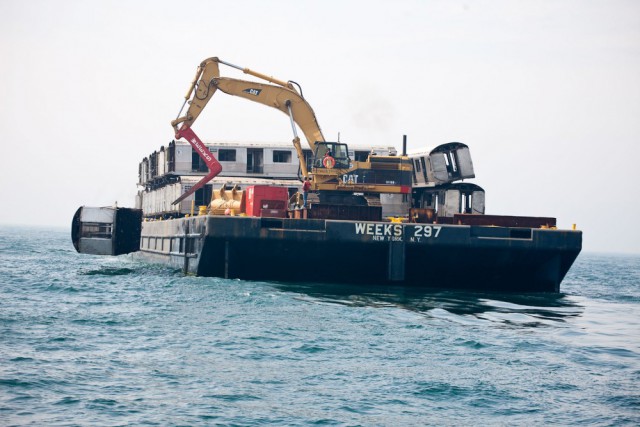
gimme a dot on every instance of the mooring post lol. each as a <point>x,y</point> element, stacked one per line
<point>226,259</point>
<point>185,267</point>
<point>395,271</point>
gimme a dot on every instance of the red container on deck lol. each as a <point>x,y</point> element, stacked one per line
<point>265,200</point>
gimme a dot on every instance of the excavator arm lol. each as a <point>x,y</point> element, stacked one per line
<point>280,95</point>
<point>384,175</point>
<point>206,72</point>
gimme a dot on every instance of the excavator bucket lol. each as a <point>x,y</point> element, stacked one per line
<point>227,202</point>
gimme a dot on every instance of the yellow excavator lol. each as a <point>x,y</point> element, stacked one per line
<point>333,175</point>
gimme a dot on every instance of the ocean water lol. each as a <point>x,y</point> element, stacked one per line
<point>98,341</point>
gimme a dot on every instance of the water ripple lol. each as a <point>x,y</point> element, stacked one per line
<point>110,341</point>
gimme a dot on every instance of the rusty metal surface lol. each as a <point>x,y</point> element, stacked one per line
<point>504,221</point>
<point>345,212</point>
<point>422,215</point>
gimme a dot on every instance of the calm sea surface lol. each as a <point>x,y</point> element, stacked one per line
<point>102,341</point>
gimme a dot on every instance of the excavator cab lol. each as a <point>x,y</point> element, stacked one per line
<point>331,155</point>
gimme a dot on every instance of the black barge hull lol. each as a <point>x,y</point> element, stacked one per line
<point>425,255</point>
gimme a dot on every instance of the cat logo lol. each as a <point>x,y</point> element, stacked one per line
<point>251,91</point>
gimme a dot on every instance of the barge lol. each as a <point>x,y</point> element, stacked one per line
<point>427,255</point>
<point>365,215</point>
<point>445,240</point>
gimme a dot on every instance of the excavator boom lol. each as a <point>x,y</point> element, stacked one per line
<point>281,98</point>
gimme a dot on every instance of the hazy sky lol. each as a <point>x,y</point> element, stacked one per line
<point>545,93</point>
